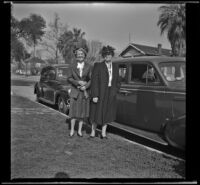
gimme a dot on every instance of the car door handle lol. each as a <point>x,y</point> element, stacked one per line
<point>179,98</point>
<point>124,92</point>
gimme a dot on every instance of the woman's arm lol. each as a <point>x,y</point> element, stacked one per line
<point>71,79</point>
<point>89,76</point>
<point>95,81</point>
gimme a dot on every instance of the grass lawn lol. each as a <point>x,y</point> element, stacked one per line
<point>41,148</point>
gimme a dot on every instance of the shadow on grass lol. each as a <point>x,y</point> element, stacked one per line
<point>179,167</point>
<point>61,175</point>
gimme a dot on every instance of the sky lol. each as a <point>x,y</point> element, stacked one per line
<point>110,23</point>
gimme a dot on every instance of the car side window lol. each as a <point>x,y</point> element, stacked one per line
<point>137,71</point>
<point>62,72</point>
<point>51,74</point>
<point>151,76</point>
<point>44,75</point>
<point>122,72</point>
<point>144,74</point>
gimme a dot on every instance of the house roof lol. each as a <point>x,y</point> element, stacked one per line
<point>148,50</point>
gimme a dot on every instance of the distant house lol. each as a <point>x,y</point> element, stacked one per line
<point>133,50</point>
<point>33,65</point>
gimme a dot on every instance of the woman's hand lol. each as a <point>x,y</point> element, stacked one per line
<point>82,88</point>
<point>82,83</point>
<point>95,99</point>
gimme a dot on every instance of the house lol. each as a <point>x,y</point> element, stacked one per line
<point>33,65</point>
<point>133,50</point>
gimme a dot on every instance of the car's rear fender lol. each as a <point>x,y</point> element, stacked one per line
<point>170,119</point>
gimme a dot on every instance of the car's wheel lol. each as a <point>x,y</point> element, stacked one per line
<point>167,135</point>
<point>63,106</point>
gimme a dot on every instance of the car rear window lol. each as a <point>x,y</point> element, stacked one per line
<point>62,72</point>
<point>173,71</point>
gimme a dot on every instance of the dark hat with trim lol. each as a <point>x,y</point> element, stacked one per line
<point>107,50</point>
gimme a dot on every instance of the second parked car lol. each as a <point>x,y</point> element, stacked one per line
<point>53,87</point>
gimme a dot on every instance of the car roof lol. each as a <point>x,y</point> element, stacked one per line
<point>155,59</point>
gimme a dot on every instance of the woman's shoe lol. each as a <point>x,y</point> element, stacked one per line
<point>103,137</point>
<point>71,135</point>
<point>79,135</point>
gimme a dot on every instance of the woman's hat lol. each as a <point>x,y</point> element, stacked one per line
<point>107,50</point>
<point>83,49</point>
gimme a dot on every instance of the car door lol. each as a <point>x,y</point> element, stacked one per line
<point>51,85</point>
<point>152,104</point>
<point>43,82</point>
<point>126,97</point>
<point>121,110</point>
<point>141,101</point>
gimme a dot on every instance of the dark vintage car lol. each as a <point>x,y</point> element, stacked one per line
<point>53,87</point>
<point>152,96</point>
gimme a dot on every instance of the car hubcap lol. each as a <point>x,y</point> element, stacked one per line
<point>61,105</point>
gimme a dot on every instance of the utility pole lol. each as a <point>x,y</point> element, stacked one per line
<point>129,38</point>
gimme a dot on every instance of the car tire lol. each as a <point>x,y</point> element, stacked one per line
<point>167,137</point>
<point>62,106</point>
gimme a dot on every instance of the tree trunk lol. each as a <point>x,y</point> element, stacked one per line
<point>34,49</point>
<point>56,55</point>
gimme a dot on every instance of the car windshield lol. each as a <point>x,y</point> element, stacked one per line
<point>173,71</point>
<point>62,72</point>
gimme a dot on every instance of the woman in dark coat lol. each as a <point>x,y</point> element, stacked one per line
<point>79,78</point>
<point>104,86</point>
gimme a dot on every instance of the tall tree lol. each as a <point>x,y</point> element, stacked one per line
<point>172,21</point>
<point>68,41</point>
<point>18,51</point>
<point>32,29</point>
<point>51,37</point>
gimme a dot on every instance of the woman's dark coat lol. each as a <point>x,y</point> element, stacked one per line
<point>99,88</point>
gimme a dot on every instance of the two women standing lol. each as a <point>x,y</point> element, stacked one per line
<point>100,104</point>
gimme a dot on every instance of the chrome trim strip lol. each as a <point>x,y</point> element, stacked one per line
<point>156,91</point>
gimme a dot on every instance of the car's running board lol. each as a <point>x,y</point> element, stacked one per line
<point>145,134</point>
<point>46,101</point>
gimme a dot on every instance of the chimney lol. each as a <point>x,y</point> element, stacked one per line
<point>160,49</point>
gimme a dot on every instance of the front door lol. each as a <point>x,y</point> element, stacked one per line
<point>152,105</point>
<point>141,100</point>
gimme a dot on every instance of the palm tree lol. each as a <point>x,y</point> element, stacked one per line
<point>69,40</point>
<point>172,21</point>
